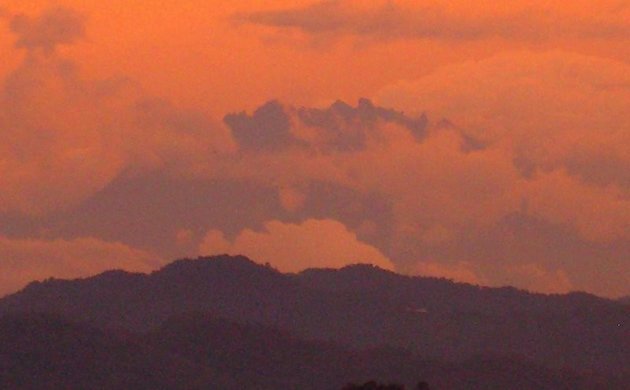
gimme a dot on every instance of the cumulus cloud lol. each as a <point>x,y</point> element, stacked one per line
<point>542,136</point>
<point>54,125</point>
<point>543,112</point>
<point>55,27</point>
<point>25,260</point>
<point>66,137</point>
<point>514,19</point>
<point>267,129</point>
<point>339,127</point>
<point>295,247</point>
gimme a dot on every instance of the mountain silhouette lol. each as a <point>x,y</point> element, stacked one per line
<point>355,308</point>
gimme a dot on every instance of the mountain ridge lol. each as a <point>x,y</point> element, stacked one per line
<point>357,306</point>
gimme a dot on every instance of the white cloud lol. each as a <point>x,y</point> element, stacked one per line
<point>295,247</point>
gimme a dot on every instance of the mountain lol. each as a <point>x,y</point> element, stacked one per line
<point>357,307</point>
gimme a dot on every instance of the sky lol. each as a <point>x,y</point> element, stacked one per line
<point>485,142</point>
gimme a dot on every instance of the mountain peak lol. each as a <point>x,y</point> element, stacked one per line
<point>225,262</point>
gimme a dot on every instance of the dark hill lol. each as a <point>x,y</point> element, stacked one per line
<point>47,352</point>
<point>358,306</point>
<point>198,351</point>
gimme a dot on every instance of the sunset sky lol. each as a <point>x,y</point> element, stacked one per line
<point>486,142</point>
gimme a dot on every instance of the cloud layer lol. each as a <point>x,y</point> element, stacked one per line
<point>459,20</point>
<point>67,137</point>
<point>562,120</point>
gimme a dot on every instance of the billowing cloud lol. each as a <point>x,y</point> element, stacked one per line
<point>55,152</point>
<point>25,260</point>
<point>556,116</point>
<point>66,137</point>
<point>519,122</point>
<point>339,127</point>
<point>267,129</point>
<point>513,20</point>
<point>295,247</point>
<point>55,27</point>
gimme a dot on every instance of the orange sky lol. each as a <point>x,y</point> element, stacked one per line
<point>140,89</point>
<point>193,52</point>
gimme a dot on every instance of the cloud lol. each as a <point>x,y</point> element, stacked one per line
<point>25,260</point>
<point>455,21</point>
<point>342,127</point>
<point>267,129</point>
<point>560,118</point>
<point>54,123</point>
<point>536,146</point>
<point>53,28</point>
<point>291,199</point>
<point>541,138</point>
<point>295,247</point>
<point>68,137</point>
<point>339,127</point>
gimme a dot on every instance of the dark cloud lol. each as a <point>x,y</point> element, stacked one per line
<point>432,20</point>
<point>346,128</point>
<point>337,128</point>
<point>55,27</point>
<point>268,129</point>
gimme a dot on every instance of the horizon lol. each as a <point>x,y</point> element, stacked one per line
<point>235,257</point>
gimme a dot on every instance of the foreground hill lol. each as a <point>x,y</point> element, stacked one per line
<point>198,351</point>
<point>46,352</point>
<point>358,306</point>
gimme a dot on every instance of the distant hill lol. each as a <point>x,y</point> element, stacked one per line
<point>355,307</point>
